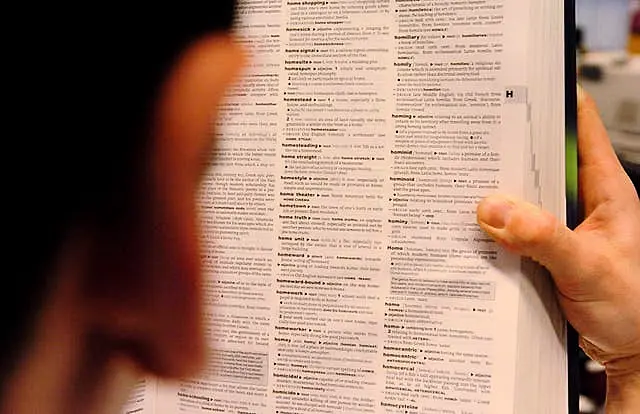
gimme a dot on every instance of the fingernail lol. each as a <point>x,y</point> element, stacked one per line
<point>494,212</point>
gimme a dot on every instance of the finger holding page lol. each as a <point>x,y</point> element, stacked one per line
<point>597,267</point>
<point>528,230</point>
<point>573,258</point>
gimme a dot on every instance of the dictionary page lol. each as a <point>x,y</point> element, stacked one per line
<point>344,270</point>
<point>142,397</point>
<point>542,368</point>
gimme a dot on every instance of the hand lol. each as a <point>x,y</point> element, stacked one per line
<point>596,268</point>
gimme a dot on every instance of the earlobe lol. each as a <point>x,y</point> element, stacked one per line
<point>142,292</point>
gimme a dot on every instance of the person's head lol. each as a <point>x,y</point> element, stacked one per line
<point>111,130</point>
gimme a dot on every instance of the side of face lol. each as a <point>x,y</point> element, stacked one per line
<point>181,148</point>
<point>129,302</point>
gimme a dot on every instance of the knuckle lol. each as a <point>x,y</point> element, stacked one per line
<point>533,232</point>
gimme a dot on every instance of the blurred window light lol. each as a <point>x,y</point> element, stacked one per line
<point>604,23</point>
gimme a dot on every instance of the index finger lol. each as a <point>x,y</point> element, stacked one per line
<point>602,178</point>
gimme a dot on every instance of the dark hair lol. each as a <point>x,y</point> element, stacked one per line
<point>82,84</point>
<point>579,38</point>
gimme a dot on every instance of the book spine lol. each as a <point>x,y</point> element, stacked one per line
<point>572,191</point>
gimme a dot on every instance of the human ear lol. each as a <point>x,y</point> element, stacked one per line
<point>145,295</point>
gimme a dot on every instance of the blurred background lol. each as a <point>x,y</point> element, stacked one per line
<point>608,46</point>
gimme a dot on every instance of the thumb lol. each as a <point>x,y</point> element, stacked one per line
<point>528,230</point>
